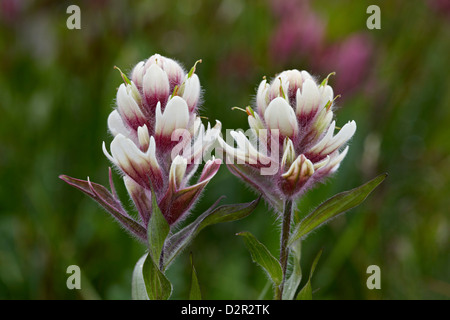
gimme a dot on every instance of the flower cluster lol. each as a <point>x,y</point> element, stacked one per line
<point>155,109</point>
<point>295,114</point>
<point>160,99</point>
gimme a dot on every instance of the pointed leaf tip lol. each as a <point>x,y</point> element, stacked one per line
<point>194,293</point>
<point>333,207</point>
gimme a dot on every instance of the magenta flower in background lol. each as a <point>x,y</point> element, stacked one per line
<point>301,35</point>
<point>440,6</point>
<point>351,59</point>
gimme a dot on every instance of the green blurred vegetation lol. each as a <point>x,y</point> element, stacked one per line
<point>58,87</point>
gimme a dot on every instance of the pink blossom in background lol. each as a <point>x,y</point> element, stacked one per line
<point>440,6</point>
<point>300,37</point>
<point>350,59</point>
<point>300,32</point>
<point>10,10</point>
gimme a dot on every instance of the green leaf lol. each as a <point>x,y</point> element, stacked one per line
<point>261,255</point>
<point>157,285</point>
<point>138,291</point>
<point>292,283</point>
<point>226,213</point>
<point>194,293</point>
<point>314,264</point>
<point>157,231</point>
<point>334,206</point>
<point>306,292</point>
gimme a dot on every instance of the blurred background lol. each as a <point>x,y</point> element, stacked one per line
<point>57,87</point>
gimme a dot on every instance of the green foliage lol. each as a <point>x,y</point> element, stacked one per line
<point>225,213</point>
<point>157,285</point>
<point>138,289</point>
<point>306,292</point>
<point>294,279</point>
<point>194,293</point>
<point>263,257</point>
<point>333,207</point>
<point>157,231</point>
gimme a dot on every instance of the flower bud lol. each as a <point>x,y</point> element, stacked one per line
<point>308,99</point>
<point>137,74</point>
<point>262,97</point>
<point>288,153</point>
<point>156,87</point>
<point>297,175</point>
<point>128,106</point>
<point>175,116</point>
<point>191,91</point>
<point>280,115</point>
<point>143,138</point>
<point>116,125</point>
<point>177,171</point>
<point>329,143</point>
<point>301,111</point>
<point>175,73</point>
<point>141,198</point>
<point>140,166</point>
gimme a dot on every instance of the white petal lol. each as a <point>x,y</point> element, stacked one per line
<point>116,125</point>
<point>231,152</point>
<point>308,100</point>
<point>107,154</point>
<point>342,137</point>
<point>177,171</point>
<point>322,144</point>
<point>174,71</point>
<point>244,145</point>
<point>129,158</point>
<point>151,153</point>
<point>127,106</point>
<point>322,163</point>
<point>192,91</point>
<point>280,115</point>
<point>175,116</point>
<point>338,159</point>
<point>306,75</point>
<point>262,97</point>
<point>143,137</point>
<point>137,74</point>
<point>288,154</point>
<point>279,86</point>
<point>301,169</point>
<point>326,95</point>
<point>156,82</point>
<point>158,118</point>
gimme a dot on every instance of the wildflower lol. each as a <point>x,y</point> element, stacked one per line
<point>294,129</point>
<point>154,110</point>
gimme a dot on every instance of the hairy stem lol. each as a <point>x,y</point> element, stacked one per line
<point>284,250</point>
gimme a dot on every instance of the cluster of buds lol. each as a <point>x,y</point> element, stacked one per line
<point>155,109</point>
<point>295,114</point>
